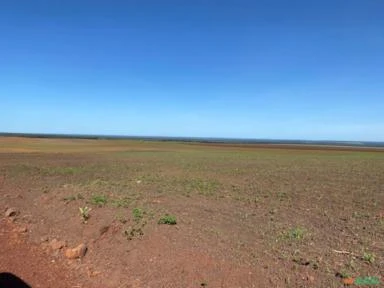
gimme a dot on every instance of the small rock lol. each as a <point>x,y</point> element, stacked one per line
<point>311,278</point>
<point>11,212</point>
<point>93,273</point>
<point>78,252</point>
<point>44,239</point>
<point>57,245</point>
<point>21,229</point>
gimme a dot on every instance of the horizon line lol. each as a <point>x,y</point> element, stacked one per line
<point>239,140</point>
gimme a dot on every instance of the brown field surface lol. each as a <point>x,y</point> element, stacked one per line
<point>246,215</point>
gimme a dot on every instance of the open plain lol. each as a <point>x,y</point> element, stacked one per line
<point>169,214</point>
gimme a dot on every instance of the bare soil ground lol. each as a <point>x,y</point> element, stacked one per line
<point>247,216</point>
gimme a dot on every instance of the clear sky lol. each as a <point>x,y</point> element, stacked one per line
<point>210,68</point>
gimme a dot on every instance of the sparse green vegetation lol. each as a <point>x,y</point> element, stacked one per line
<point>202,187</point>
<point>168,219</point>
<point>369,257</point>
<point>99,200</point>
<point>138,214</point>
<point>289,207</point>
<point>296,233</point>
<point>124,202</point>
<point>50,171</point>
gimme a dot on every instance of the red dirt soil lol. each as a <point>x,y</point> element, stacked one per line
<point>236,211</point>
<point>31,263</point>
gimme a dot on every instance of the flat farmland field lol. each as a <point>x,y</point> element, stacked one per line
<point>169,214</point>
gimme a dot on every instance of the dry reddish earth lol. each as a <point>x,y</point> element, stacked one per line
<point>246,216</point>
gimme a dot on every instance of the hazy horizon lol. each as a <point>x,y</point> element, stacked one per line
<point>199,139</point>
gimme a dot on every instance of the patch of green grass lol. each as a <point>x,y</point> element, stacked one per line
<point>168,219</point>
<point>344,274</point>
<point>99,200</point>
<point>296,233</point>
<point>138,214</point>
<point>369,257</point>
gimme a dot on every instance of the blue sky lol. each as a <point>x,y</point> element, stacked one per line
<point>246,69</point>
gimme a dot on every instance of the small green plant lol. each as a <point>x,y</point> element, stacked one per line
<point>344,274</point>
<point>369,257</point>
<point>138,214</point>
<point>297,233</point>
<point>168,219</point>
<point>99,200</point>
<point>84,213</point>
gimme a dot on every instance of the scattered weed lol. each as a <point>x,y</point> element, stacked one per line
<point>84,212</point>
<point>138,214</point>
<point>369,257</point>
<point>297,233</point>
<point>168,219</point>
<point>99,200</point>
<point>202,187</point>
<point>343,274</point>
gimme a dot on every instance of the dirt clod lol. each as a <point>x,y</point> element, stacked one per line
<point>11,212</point>
<point>21,229</point>
<point>77,252</point>
<point>44,239</point>
<point>103,230</point>
<point>57,245</point>
<point>348,281</point>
